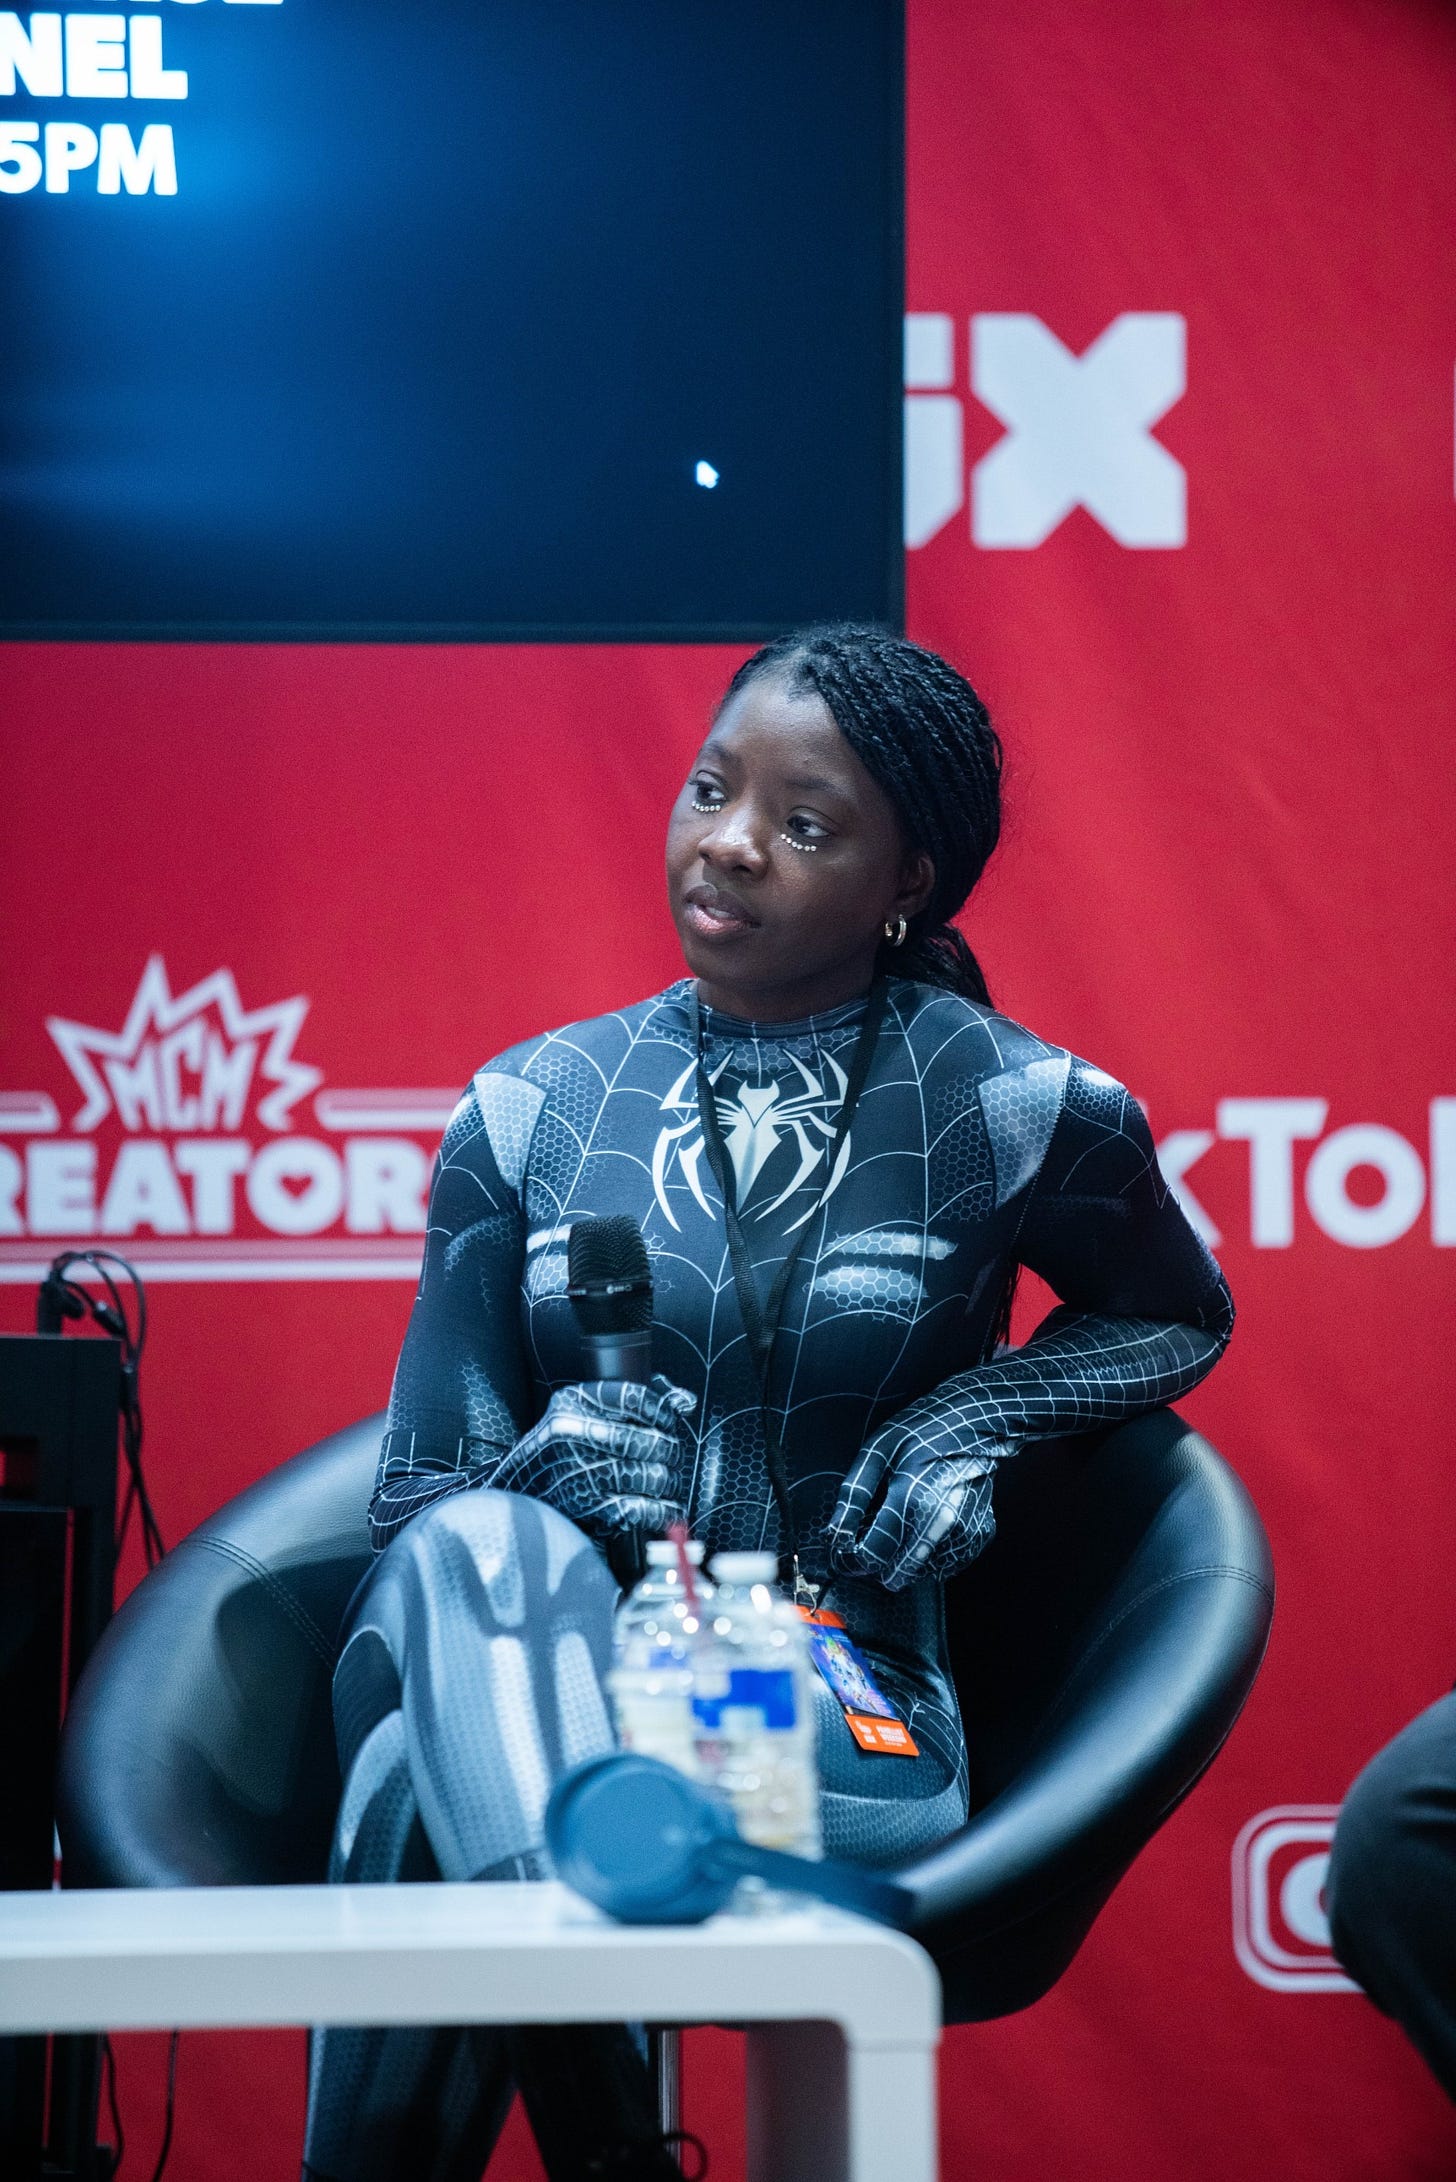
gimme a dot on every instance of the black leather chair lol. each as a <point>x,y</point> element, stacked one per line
<point>1104,1646</point>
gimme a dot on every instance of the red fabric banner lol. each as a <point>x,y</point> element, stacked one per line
<point>1180,500</point>
<point>1223,673</point>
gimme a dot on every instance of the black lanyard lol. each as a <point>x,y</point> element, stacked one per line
<point>760,1314</point>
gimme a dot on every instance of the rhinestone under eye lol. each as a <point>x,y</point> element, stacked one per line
<point>805,848</point>
<point>700,805</point>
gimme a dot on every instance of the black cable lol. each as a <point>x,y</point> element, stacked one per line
<point>108,2057</point>
<point>678,2141</point>
<point>131,1412</point>
<point>171,2106</point>
<point>69,1299</point>
<point>124,1520</point>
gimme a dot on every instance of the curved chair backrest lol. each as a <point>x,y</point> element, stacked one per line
<point>199,1746</point>
<point>1104,1645</point>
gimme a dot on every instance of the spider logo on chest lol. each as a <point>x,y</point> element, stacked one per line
<point>755,1120</point>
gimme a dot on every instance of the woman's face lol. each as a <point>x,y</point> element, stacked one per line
<point>785,860</point>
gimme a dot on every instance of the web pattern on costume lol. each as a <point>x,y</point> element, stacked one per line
<point>1084,1367</point>
<point>975,1146</point>
<point>604,1455</point>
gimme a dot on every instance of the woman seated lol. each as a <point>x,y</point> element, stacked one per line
<point>839,1155</point>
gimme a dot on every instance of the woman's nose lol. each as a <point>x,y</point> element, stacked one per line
<point>737,841</point>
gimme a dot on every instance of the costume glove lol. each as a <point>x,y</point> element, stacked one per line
<point>607,1455</point>
<point>915,1503</point>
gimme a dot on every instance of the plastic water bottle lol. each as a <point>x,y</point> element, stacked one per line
<point>653,1643</point>
<point>753,1706</point>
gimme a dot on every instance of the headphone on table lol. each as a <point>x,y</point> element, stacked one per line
<point>650,1846</point>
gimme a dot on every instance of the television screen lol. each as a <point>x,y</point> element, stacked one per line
<point>454,319</point>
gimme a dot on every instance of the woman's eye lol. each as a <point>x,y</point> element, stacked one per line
<point>806,829</point>
<point>707,795</point>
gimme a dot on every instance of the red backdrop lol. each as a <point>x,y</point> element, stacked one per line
<point>1220,673</point>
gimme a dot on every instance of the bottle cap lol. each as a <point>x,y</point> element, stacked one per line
<point>745,1567</point>
<point>662,1553</point>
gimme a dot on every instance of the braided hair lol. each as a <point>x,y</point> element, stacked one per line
<point>921,731</point>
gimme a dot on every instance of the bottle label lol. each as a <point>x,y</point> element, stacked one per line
<point>767,1692</point>
<point>870,1717</point>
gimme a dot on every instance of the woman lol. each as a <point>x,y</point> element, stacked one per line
<point>832,1380</point>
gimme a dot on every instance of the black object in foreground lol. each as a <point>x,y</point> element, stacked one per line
<point>650,1846</point>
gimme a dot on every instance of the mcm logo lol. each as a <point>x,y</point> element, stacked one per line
<point>188,1062</point>
<point>758,1122</point>
<point>209,1152</point>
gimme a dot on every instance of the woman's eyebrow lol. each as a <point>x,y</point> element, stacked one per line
<point>815,784</point>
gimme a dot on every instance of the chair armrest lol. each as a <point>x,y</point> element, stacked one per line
<point>1144,1710</point>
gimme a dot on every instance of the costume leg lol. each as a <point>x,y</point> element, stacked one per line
<point>384,2104</point>
<point>488,1622</point>
<point>484,1632</point>
<point>1392,1885</point>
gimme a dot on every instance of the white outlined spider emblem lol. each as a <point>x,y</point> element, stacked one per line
<point>754,1123</point>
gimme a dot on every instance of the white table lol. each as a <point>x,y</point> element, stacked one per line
<point>843,2016</point>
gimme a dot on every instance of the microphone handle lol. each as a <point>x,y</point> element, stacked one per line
<point>619,1355</point>
<point>841,1884</point>
<point>615,1358</point>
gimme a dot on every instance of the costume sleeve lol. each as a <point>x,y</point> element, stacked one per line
<point>461,1395</point>
<point>1144,1313</point>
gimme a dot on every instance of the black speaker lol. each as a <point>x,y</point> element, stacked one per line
<point>59,1401</point>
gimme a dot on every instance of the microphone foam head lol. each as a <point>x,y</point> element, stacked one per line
<point>608,1277</point>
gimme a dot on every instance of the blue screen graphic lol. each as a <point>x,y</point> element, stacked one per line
<point>449,318</point>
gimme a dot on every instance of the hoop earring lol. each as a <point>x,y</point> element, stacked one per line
<point>895,933</point>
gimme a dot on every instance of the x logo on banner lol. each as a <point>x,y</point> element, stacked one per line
<point>1077,429</point>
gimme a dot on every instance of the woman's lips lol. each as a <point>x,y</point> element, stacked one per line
<point>712,915</point>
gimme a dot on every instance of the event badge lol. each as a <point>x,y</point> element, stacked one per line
<point>869,1715</point>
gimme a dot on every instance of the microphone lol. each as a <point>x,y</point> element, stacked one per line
<point>609,1283</point>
